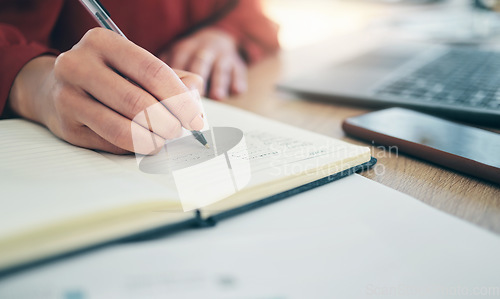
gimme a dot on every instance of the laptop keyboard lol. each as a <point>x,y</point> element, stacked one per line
<point>460,77</point>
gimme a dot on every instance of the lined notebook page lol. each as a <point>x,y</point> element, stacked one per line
<point>278,150</point>
<point>274,150</point>
<point>45,179</point>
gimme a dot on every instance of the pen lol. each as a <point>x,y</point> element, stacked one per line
<point>101,15</point>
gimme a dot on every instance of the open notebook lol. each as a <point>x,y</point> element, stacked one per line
<point>57,198</point>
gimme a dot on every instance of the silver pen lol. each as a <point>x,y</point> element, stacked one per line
<point>101,15</point>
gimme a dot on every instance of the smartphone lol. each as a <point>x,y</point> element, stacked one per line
<point>466,149</point>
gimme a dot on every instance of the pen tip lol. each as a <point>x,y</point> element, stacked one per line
<point>207,146</point>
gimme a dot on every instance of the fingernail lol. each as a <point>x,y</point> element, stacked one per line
<point>197,123</point>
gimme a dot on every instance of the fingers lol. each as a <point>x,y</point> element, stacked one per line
<point>221,78</point>
<point>188,111</point>
<point>202,62</point>
<point>118,130</point>
<point>229,76</point>
<point>131,101</point>
<point>213,55</point>
<point>239,78</point>
<point>198,60</point>
<point>134,63</point>
<point>192,81</point>
<point>144,69</point>
<point>181,55</point>
<point>89,139</point>
<point>77,113</point>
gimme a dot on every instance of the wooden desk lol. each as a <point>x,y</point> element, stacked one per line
<point>463,196</point>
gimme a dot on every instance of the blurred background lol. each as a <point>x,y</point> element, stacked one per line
<point>308,22</point>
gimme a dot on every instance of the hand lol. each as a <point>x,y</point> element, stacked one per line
<point>82,98</point>
<point>212,54</point>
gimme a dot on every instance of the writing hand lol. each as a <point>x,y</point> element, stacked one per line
<point>83,97</point>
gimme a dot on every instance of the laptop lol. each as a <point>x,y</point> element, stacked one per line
<point>453,81</point>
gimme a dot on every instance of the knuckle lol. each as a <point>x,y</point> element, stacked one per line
<point>154,69</point>
<point>223,65</point>
<point>94,36</point>
<point>195,82</point>
<point>135,102</point>
<point>66,63</point>
<point>119,135</point>
<point>195,79</point>
<point>183,45</point>
<point>180,104</point>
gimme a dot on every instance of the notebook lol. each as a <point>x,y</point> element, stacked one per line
<point>58,199</point>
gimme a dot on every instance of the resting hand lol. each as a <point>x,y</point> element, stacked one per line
<point>212,54</point>
<point>82,97</point>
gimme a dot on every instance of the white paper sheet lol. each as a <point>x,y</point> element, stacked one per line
<point>353,238</point>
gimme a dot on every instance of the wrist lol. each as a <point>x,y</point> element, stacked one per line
<point>29,91</point>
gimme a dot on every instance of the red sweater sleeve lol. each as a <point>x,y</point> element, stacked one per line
<point>25,28</point>
<point>256,34</point>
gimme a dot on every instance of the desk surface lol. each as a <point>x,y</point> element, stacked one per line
<point>463,196</point>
